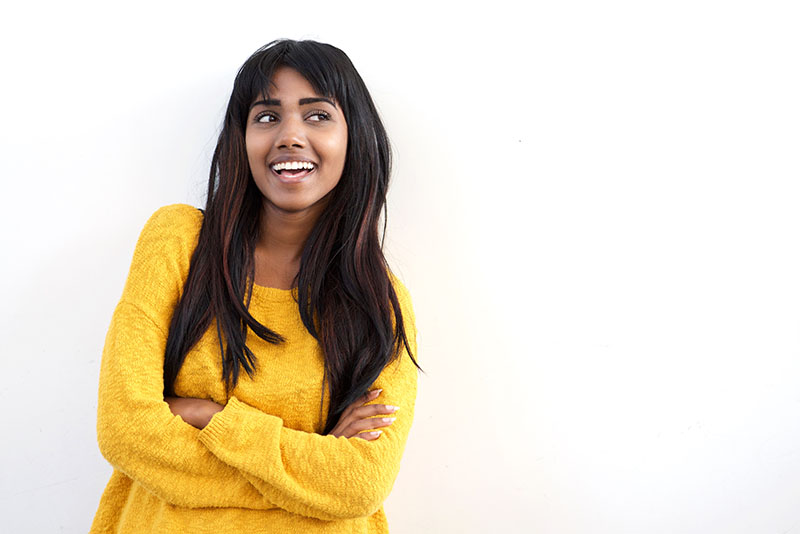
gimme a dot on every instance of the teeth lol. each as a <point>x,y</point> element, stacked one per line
<point>292,165</point>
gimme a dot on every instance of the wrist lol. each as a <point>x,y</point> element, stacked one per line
<point>209,410</point>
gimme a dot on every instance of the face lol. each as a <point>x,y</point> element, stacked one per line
<point>296,144</point>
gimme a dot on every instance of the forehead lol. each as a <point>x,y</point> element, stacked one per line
<point>288,86</point>
<point>288,80</point>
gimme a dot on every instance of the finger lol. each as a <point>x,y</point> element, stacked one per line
<point>360,401</point>
<point>373,409</point>
<point>369,436</point>
<point>363,412</point>
<point>369,423</point>
<point>368,396</point>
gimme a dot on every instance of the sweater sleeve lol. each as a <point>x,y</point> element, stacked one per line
<point>320,476</point>
<point>137,433</point>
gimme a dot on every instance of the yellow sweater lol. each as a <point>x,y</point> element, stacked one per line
<point>260,465</point>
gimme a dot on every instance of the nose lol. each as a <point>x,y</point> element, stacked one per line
<point>291,134</point>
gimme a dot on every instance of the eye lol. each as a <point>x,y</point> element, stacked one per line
<point>266,117</point>
<point>319,115</point>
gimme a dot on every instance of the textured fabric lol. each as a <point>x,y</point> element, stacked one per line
<point>259,465</point>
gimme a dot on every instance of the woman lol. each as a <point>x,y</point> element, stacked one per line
<point>282,276</point>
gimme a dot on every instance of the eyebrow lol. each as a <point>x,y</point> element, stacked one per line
<point>302,102</point>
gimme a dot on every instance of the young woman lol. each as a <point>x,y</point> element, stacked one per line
<point>259,374</point>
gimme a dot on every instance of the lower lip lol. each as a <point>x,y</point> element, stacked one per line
<point>293,179</point>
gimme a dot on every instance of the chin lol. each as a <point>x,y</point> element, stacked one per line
<point>295,205</point>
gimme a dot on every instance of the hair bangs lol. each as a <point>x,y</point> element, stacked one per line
<point>313,61</point>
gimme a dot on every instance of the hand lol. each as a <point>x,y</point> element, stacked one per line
<point>356,418</point>
<point>196,412</point>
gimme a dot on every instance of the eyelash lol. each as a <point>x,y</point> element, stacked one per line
<point>323,114</point>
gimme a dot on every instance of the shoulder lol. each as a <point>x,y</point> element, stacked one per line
<point>407,311</point>
<point>399,286</point>
<point>175,219</point>
<point>171,229</point>
<point>163,253</point>
<point>403,296</point>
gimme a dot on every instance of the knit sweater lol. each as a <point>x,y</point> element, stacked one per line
<point>260,465</point>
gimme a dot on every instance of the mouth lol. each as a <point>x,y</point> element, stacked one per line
<point>292,171</point>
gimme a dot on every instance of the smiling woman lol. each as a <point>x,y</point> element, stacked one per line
<point>281,276</point>
<point>296,145</point>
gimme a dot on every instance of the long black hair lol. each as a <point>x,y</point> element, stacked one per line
<point>343,289</point>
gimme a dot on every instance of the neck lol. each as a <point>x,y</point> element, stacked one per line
<point>283,234</point>
<point>280,244</point>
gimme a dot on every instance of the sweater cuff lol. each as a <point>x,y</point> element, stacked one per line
<point>221,422</point>
<point>233,428</point>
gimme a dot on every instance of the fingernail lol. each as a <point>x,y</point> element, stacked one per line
<point>389,419</point>
<point>376,391</point>
<point>392,408</point>
<point>377,433</point>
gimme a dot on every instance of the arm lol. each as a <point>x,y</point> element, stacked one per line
<point>312,475</point>
<point>357,420</point>
<point>136,431</point>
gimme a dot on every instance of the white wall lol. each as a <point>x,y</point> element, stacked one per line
<point>595,207</point>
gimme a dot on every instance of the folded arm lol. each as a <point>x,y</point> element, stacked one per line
<point>136,431</point>
<point>313,475</point>
<point>139,435</point>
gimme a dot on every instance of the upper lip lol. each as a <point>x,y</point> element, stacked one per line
<point>289,157</point>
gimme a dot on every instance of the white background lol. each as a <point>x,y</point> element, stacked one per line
<point>595,207</point>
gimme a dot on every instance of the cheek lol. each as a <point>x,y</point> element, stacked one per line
<point>249,148</point>
<point>254,145</point>
<point>336,149</point>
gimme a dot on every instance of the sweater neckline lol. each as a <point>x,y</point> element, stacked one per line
<point>273,294</point>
